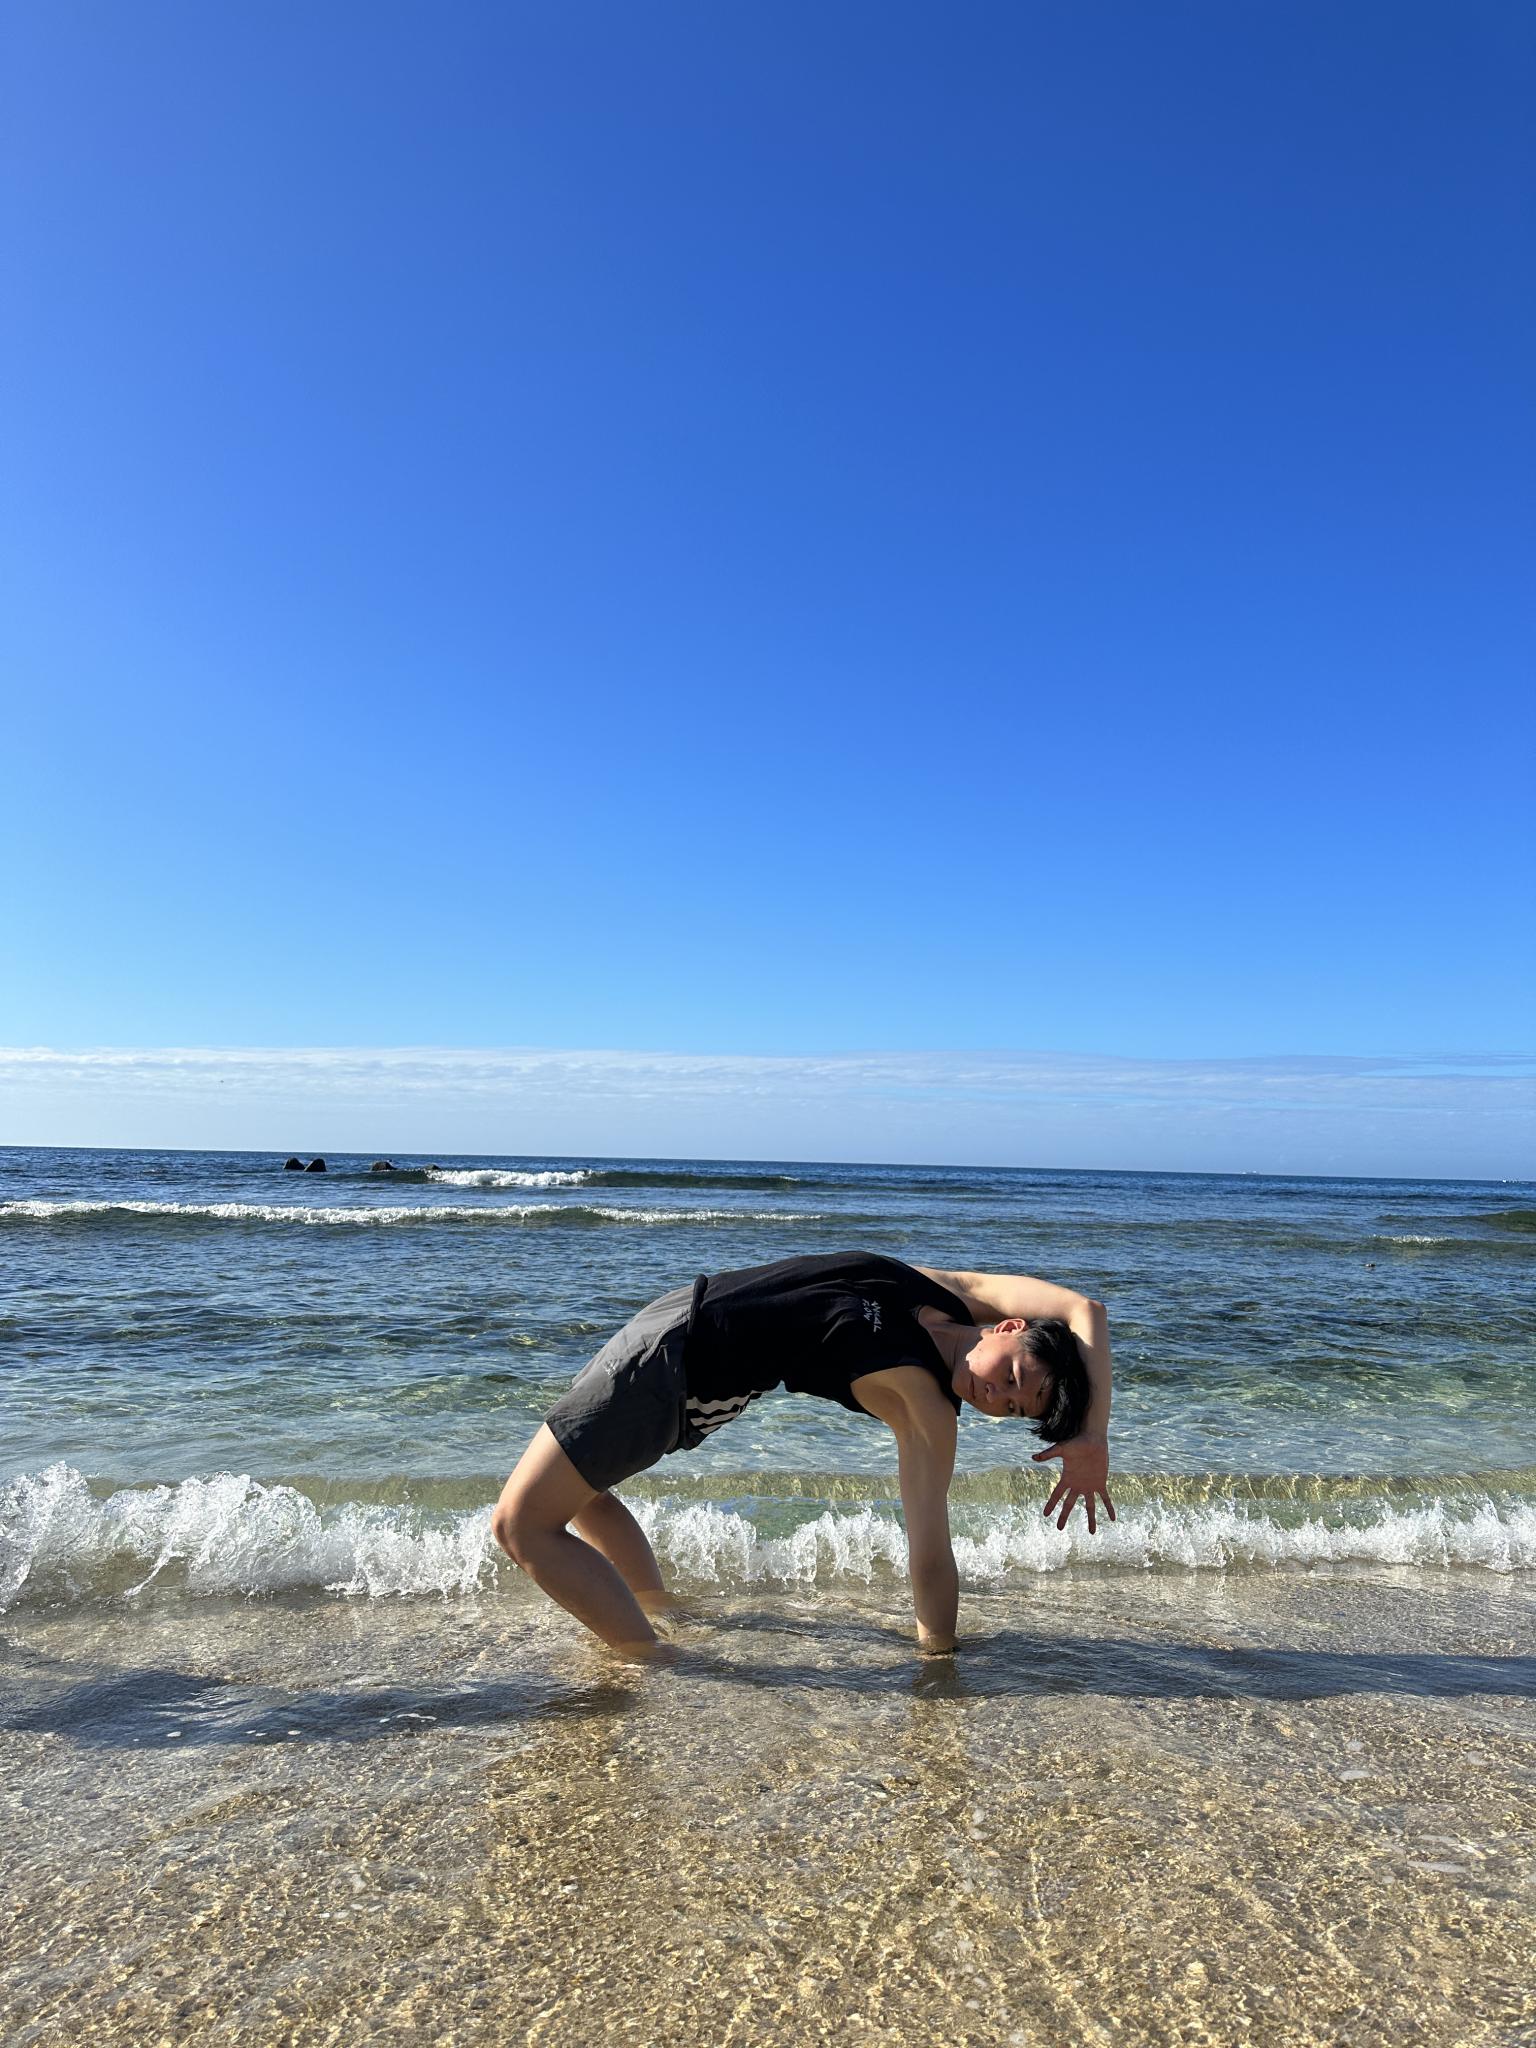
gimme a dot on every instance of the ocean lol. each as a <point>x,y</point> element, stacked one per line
<point>290,1748</point>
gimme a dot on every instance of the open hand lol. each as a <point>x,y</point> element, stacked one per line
<point>1084,1477</point>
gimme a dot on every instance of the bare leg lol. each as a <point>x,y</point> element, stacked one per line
<point>608,1526</point>
<point>543,1494</point>
<point>586,1585</point>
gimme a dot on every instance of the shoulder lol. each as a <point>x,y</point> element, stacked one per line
<point>946,1292</point>
<point>909,1400</point>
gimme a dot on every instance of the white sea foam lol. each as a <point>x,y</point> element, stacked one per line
<point>224,1534</point>
<point>367,1215</point>
<point>711,1543</point>
<point>505,1177</point>
<point>229,1533</point>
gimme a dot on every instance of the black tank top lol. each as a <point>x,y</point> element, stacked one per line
<point>814,1324</point>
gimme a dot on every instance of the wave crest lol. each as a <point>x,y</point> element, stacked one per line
<point>506,1177</point>
<point>230,1533</point>
<point>365,1215</point>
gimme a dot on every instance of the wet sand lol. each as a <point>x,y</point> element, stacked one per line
<point>1289,1807</point>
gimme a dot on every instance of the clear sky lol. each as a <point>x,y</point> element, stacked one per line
<point>769,529</point>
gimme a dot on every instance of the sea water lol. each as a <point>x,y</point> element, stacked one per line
<point>288,1750</point>
<point>248,1379</point>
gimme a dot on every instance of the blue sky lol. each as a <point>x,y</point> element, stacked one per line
<point>769,530</point>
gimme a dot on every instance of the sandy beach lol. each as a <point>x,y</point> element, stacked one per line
<point>1284,1807</point>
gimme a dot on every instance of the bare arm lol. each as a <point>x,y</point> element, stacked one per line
<point>1084,1458</point>
<point>1090,1326</point>
<point>908,1399</point>
<point>925,1476</point>
<point>994,1297</point>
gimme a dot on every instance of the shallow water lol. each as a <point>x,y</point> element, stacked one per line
<point>172,1313</point>
<point>272,1380</point>
<point>290,1753</point>
<point>1301,1807</point>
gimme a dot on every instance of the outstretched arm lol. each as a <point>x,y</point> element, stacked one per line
<point>1089,1324</point>
<point>992,1298</point>
<point>1084,1458</point>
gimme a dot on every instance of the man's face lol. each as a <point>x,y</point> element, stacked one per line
<point>999,1377</point>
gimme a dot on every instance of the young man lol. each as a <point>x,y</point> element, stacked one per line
<point>906,1344</point>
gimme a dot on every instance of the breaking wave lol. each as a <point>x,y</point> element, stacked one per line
<point>586,1176</point>
<point>373,1215</point>
<point>506,1177</point>
<point>596,1176</point>
<point>231,1534</point>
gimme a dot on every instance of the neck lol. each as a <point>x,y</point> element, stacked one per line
<point>955,1342</point>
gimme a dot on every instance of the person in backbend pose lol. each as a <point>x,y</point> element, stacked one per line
<point>906,1344</point>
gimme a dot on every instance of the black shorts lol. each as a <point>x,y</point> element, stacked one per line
<point>629,1406</point>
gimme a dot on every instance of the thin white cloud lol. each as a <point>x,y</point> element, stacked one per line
<point>1459,1114</point>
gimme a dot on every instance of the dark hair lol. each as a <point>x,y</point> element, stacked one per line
<point>1052,1345</point>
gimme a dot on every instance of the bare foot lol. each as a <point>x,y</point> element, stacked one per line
<point>653,1652</point>
<point>663,1607</point>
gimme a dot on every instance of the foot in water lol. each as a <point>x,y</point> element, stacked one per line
<point>654,1652</point>
<point>664,1607</point>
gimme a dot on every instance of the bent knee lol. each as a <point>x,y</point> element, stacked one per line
<point>520,1533</point>
<point>512,1527</point>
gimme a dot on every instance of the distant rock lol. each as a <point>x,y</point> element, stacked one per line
<point>382,1166</point>
<point>293,1166</point>
<point>315,1166</point>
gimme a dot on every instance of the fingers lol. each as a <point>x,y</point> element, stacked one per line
<point>1050,1451</point>
<point>1066,1493</point>
<point>1108,1508</point>
<point>1069,1496</point>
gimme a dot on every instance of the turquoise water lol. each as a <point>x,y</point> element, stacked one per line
<point>1305,1369</point>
